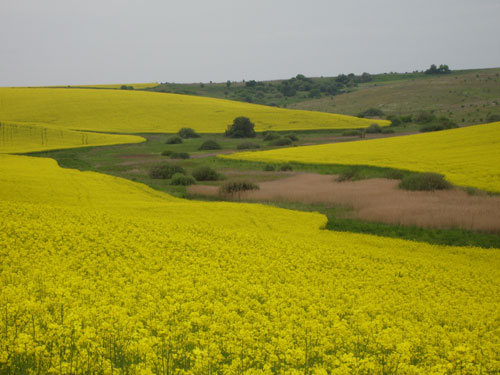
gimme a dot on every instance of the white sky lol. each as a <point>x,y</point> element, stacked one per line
<point>59,42</point>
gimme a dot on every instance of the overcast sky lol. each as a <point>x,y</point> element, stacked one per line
<point>59,42</point>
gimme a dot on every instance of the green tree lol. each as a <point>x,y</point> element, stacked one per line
<point>241,127</point>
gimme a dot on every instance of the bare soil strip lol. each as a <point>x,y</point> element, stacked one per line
<point>380,200</point>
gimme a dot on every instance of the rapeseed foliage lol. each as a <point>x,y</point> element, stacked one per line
<point>100,275</point>
<point>467,157</point>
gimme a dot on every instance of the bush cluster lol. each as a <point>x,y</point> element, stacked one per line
<point>247,146</point>
<point>425,182</point>
<point>174,140</point>
<point>165,171</point>
<point>188,133</point>
<point>179,155</point>
<point>205,173</point>
<point>181,179</point>
<point>270,136</point>
<point>210,145</point>
<point>282,141</point>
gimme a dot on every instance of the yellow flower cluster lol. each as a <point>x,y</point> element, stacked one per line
<point>20,138</point>
<point>99,275</point>
<point>467,156</point>
<point>139,111</point>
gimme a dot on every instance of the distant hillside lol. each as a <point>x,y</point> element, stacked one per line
<point>465,96</point>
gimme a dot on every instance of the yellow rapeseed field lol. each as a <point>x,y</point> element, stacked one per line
<point>112,85</point>
<point>129,111</point>
<point>467,157</point>
<point>99,275</point>
<point>21,138</point>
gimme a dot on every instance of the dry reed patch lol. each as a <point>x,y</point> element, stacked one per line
<point>380,200</point>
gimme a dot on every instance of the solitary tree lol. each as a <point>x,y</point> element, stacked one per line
<point>241,127</point>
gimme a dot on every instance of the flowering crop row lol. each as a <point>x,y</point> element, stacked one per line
<point>468,156</point>
<point>99,275</point>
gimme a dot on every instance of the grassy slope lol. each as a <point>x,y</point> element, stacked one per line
<point>467,156</point>
<point>467,97</point>
<point>139,111</point>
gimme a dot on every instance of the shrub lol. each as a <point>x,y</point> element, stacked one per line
<point>281,142</point>
<point>167,153</point>
<point>351,133</point>
<point>406,118</point>
<point>188,133</point>
<point>292,137</point>
<point>373,128</point>
<point>431,128</point>
<point>236,187</point>
<point>446,122</point>
<point>205,173</point>
<point>371,112</point>
<point>387,131</point>
<point>286,167</point>
<point>241,127</point>
<point>270,136</point>
<point>179,155</point>
<point>181,179</point>
<point>210,145</point>
<point>269,168</point>
<point>174,140</point>
<point>349,174</point>
<point>424,181</point>
<point>494,118</point>
<point>425,117</point>
<point>394,174</point>
<point>164,171</point>
<point>395,120</point>
<point>247,146</point>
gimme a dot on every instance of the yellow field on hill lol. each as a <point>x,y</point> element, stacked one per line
<point>129,111</point>
<point>467,157</point>
<point>21,138</point>
<point>113,85</point>
<point>103,275</point>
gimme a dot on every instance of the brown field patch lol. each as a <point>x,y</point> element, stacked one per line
<point>380,200</point>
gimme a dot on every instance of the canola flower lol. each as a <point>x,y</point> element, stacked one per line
<point>99,275</point>
<point>129,111</point>
<point>467,156</point>
<point>21,138</point>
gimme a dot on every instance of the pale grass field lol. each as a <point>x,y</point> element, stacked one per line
<point>380,200</point>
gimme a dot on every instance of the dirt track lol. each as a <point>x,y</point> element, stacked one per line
<point>381,200</point>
